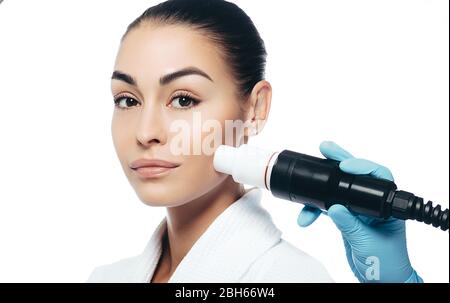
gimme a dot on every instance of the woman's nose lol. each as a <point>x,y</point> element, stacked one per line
<point>150,128</point>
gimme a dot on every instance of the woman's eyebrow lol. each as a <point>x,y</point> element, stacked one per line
<point>117,75</point>
<point>164,80</point>
<point>182,73</point>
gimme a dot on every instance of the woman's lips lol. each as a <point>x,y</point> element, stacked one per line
<point>152,172</point>
<point>152,168</point>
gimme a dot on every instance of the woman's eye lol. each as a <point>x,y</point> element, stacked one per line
<point>125,102</point>
<point>184,102</point>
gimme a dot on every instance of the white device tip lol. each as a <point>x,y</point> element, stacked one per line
<point>224,159</point>
<point>246,164</point>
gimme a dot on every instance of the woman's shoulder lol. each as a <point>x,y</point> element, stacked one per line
<point>122,270</point>
<point>284,262</point>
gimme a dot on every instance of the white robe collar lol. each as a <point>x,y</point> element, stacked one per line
<point>225,251</point>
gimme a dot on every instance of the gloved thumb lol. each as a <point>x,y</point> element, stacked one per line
<point>345,221</point>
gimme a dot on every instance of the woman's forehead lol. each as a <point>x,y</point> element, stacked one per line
<point>162,48</point>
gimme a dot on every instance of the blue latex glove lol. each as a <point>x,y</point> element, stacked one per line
<point>375,248</point>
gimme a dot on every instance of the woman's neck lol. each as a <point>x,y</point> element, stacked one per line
<point>186,223</point>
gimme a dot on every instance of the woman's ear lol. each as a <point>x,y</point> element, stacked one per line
<point>259,107</point>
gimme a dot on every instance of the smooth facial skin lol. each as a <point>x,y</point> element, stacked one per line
<point>194,193</point>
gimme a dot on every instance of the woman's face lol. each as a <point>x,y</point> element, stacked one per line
<point>147,109</point>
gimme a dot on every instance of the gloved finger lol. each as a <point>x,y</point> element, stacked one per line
<point>345,221</point>
<point>391,225</point>
<point>308,215</point>
<point>333,151</point>
<point>350,258</point>
<point>365,167</point>
<point>372,221</point>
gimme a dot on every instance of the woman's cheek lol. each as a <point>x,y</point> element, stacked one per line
<point>122,138</point>
<point>199,177</point>
<point>199,173</point>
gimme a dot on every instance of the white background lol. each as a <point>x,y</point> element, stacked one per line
<point>372,76</point>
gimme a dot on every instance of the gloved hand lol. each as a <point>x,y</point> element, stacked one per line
<point>375,248</point>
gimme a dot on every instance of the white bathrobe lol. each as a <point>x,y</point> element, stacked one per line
<point>241,245</point>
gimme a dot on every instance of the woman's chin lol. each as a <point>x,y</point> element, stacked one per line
<point>174,194</point>
<point>165,195</point>
<point>159,196</point>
